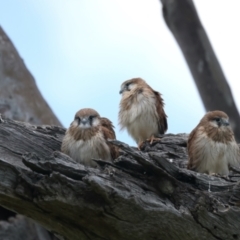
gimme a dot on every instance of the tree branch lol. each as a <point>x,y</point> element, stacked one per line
<point>142,195</point>
<point>182,19</point>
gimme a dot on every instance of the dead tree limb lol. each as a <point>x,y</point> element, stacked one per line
<point>182,19</point>
<point>21,100</point>
<point>142,195</point>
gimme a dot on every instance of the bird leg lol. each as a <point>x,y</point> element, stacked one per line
<point>152,139</point>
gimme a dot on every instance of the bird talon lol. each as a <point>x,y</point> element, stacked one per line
<point>152,139</point>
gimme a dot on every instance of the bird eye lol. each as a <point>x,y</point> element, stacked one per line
<point>127,86</point>
<point>217,119</point>
<point>91,117</point>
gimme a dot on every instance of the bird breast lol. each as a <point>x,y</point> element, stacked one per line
<point>214,157</point>
<point>83,151</point>
<point>139,116</point>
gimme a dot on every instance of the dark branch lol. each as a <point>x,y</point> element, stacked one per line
<point>182,19</point>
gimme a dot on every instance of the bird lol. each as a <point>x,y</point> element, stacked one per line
<point>141,111</point>
<point>211,146</point>
<point>86,138</point>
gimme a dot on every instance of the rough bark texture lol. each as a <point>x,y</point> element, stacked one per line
<point>21,100</point>
<point>142,195</point>
<point>182,19</point>
<point>22,228</point>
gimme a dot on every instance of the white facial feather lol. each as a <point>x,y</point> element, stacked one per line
<point>84,126</point>
<point>95,123</point>
<point>132,86</point>
<point>213,123</point>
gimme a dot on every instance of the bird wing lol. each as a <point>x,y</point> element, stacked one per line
<point>162,123</point>
<point>109,133</point>
<point>65,143</point>
<point>191,137</point>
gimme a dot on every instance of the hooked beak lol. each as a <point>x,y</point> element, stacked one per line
<point>123,90</point>
<point>84,121</point>
<point>224,122</point>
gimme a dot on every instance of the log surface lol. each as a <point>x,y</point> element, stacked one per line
<point>141,195</point>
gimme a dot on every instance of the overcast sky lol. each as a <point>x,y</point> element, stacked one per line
<point>80,51</point>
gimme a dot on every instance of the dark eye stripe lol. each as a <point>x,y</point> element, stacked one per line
<point>78,119</point>
<point>92,117</point>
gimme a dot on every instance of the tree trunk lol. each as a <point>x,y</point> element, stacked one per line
<point>182,19</point>
<point>142,195</point>
<point>21,100</point>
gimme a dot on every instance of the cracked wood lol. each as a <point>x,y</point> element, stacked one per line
<point>141,195</point>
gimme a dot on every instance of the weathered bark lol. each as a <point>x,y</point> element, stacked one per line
<point>182,19</point>
<point>22,228</point>
<point>20,99</point>
<point>142,195</point>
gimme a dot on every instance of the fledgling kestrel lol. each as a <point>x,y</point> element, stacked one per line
<point>211,145</point>
<point>141,111</point>
<point>86,137</point>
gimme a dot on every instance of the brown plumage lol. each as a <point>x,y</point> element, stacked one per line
<point>211,145</point>
<point>86,138</point>
<point>141,111</point>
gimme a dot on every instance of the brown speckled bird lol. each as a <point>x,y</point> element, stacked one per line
<point>211,145</point>
<point>86,138</point>
<point>141,111</point>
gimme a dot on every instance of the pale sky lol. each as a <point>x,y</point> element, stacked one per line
<point>80,51</point>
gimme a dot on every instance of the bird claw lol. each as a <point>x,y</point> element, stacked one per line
<point>219,176</point>
<point>152,139</point>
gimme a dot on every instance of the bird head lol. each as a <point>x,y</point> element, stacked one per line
<point>130,85</point>
<point>86,118</point>
<point>218,119</point>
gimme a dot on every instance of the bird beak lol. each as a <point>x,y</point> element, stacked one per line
<point>125,88</point>
<point>224,122</point>
<point>84,121</point>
